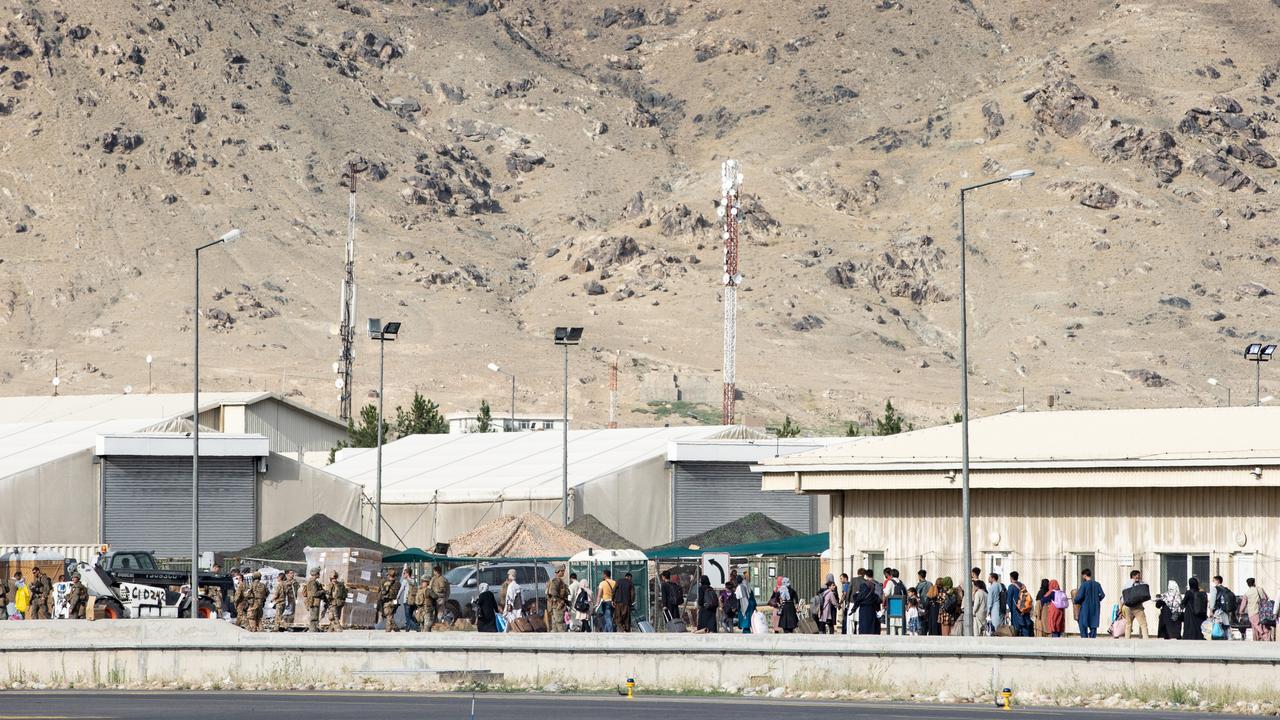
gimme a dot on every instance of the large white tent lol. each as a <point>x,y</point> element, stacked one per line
<point>435,487</point>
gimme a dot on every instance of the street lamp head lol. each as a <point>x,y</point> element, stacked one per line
<point>1021,174</point>
<point>230,236</point>
<point>380,331</point>
<point>1268,352</point>
<point>494,367</point>
<point>1267,399</point>
<point>150,359</point>
<point>1253,352</point>
<point>568,335</point>
<point>1213,381</point>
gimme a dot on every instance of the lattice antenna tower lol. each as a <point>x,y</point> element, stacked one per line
<point>347,325</point>
<point>730,181</point>
<point>613,391</point>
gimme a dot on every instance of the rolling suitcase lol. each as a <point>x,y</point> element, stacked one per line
<point>645,626</point>
<point>675,625</point>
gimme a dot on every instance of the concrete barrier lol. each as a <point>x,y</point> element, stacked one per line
<point>142,653</point>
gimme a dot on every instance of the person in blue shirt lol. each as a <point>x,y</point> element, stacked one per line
<point>1089,597</point>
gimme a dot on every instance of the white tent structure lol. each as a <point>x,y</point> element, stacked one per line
<point>435,487</point>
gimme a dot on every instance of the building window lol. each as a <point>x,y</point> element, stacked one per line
<point>1178,567</point>
<point>875,563</point>
<point>1086,561</point>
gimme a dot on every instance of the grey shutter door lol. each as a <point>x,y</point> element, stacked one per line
<point>708,495</point>
<point>146,504</point>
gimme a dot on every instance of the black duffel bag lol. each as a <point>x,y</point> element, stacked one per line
<point>1136,595</point>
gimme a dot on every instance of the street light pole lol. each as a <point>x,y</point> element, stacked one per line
<point>1257,353</point>
<point>193,603</point>
<point>496,368</point>
<point>383,334</point>
<point>966,627</point>
<point>566,336</point>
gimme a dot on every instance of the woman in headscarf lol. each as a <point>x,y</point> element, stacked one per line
<point>1055,618</point>
<point>746,601</point>
<point>1170,606</point>
<point>949,604</point>
<point>1195,610</point>
<point>1043,600</point>
<point>829,607</point>
<point>513,603</point>
<point>784,599</point>
<point>931,609</point>
<point>708,600</point>
<point>486,610</point>
<point>868,604</point>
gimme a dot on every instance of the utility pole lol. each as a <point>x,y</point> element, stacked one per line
<point>730,180</point>
<point>347,314</point>
<point>613,392</point>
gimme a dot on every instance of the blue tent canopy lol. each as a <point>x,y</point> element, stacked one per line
<point>814,544</point>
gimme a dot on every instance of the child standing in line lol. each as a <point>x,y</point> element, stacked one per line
<point>913,616</point>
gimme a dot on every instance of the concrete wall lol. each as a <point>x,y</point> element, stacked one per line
<point>125,653</point>
<point>290,492</point>
<point>54,503</point>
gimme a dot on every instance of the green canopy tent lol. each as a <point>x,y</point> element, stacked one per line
<point>814,545</point>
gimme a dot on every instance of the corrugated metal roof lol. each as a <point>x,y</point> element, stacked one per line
<point>1166,437</point>
<point>38,429</point>
<point>484,466</point>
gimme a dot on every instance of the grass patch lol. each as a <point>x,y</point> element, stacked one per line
<point>662,410</point>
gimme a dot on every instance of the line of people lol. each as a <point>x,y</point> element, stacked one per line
<point>41,598</point>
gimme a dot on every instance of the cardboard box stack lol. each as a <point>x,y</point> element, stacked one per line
<point>359,569</point>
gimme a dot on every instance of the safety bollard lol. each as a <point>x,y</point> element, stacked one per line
<point>631,688</point>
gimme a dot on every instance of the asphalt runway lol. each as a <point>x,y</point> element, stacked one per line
<point>33,705</point>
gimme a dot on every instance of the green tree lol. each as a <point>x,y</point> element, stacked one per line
<point>789,428</point>
<point>957,418</point>
<point>422,418</point>
<point>892,422</point>
<point>484,421</point>
<point>852,429</point>
<point>364,435</point>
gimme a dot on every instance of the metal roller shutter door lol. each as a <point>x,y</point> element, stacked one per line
<point>146,503</point>
<point>708,495</point>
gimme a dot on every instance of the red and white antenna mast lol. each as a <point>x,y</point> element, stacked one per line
<point>613,392</point>
<point>730,180</point>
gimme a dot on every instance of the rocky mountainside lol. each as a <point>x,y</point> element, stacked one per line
<point>539,162</point>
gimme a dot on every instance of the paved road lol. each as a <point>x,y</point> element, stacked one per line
<point>311,706</point>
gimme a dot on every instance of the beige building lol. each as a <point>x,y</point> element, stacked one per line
<point>1171,492</point>
<point>116,469</point>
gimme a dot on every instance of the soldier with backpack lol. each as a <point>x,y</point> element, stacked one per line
<point>336,593</point>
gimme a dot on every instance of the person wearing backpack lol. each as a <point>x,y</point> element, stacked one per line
<point>1056,614</point>
<point>1020,606</point>
<point>1195,610</point>
<point>580,591</point>
<point>1222,600</point>
<point>1089,597</point>
<point>1260,609</point>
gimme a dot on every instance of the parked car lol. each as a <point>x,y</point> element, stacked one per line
<point>464,584</point>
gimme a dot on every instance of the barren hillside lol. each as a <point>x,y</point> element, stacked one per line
<point>541,162</point>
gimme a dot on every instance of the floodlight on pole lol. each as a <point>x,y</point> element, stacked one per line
<point>193,599</point>
<point>1257,353</point>
<point>383,333</point>
<point>966,627</point>
<point>498,369</point>
<point>566,336</point>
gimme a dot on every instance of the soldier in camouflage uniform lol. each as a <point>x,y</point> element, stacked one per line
<point>336,593</point>
<point>240,598</point>
<point>314,594</point>
<point>41,590</point>
<point>285,600</point>
<point>387,594</point>
<point>77,599</point>
<point>257,601</point>
<point>557,602</point>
